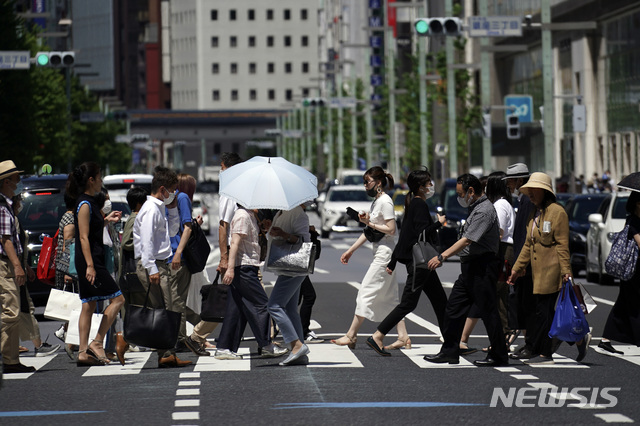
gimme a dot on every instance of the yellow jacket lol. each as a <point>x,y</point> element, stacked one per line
<point>548,251</point>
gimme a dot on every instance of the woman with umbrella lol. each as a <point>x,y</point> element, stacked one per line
<point>623,323</point>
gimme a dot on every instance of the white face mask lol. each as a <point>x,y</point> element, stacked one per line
<point>431,191</point>
<point>464,202</point>
<point>516,192</point>
<point>170,198</point>
<point>106,209</point>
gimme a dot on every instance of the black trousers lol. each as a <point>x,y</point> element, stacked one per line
<point>307,299</point>
<point>476,284</point>
<point>425,281</point>
<point>525,306</point>
<point>247,302</point>
<point>538,331</point>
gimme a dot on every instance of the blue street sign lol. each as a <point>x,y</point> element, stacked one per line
<point>375,41</point>
<point>375,60</point>
<point>376,80</point>
<point>522,107</point>
<point>375,21</point>
<point>375,4</point>
<point>376,97</point>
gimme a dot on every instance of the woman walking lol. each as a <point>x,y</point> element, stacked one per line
<point>547,249</point>
<point>96,283</point>
<point>378,293</point>
<point>623,323</point>
<point>417,220</point>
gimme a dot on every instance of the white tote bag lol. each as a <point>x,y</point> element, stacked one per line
<point>73,336</point>
<point>60,304</point>
<point>194,298</point>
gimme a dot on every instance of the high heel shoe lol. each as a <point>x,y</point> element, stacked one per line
<point>399,344</point>
<point>90,361</point>
<point>93,353</point>
<point>351,344</point>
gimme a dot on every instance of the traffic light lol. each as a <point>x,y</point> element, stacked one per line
<point>486,124</point>
<point>448,26</point>
<point>313,102</point>
<point>55,59</point>
<point>513,126</point>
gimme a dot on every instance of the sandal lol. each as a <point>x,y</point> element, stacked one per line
<point>351,343</point>
<point>511,337</point>
<point>90,361</point>
<point>92,352</point>
<point>399,344</point>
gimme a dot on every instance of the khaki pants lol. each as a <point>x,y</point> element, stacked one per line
<point>29,328</point>
<point>10,302</point>
<point>181,279</point>
<point>202,330</point>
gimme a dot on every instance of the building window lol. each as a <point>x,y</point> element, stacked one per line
<point>269,41</point>
<point>272,95</point>
<point>214,14</point>
<point>253,94</point>
<point>233,41</point>
<point>251,14</point>
<point>304,41</point>
<point>234,95</point>
<point>215,95</point>
<point>252,68</point>
<point>287,14</point>
<point>234,68</point>
<point>305,92</point>
<point>287,67</point>
<point>214,41</point>
<point>215,68</point>
<point>271,68</point>
<point>269,14</point>
<point>287,41</point>
<point>303,14</point>
<point>232,15</point>
<point>305,67</point>
<point>288,94</point>
<point>252,41</point>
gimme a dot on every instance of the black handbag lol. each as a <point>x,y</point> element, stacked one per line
<point>373,235</point>
<point>423,251</point>
<point>151,327</point>
<point>197,250</point>
<point>214,301</point>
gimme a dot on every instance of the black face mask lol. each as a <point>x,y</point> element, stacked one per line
<point>372,192</point>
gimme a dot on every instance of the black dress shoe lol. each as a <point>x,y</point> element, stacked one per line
<point>442,358</point>
<point>489,362</point>
<point>525,353</point>
<point>196,347</point>
<point>17,368</point>
<point>373,345</point>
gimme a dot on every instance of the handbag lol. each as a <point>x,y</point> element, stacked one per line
<point>72,260</point>
<point>372,235</point>
<point>194,299</point>
<point>423,251</point>
<point>587,304</point>
<point>73,335</point>
<point>569,323</point>
<point>46,271</point>
<point>197,250</point>
<point>284,258</point>
<point>622,259</point>
<point>60,304</point>
<point>151,327</point>
<point>129,280</point>
<point>214,301</point>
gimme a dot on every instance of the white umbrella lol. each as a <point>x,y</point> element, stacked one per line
<point>268,183</point>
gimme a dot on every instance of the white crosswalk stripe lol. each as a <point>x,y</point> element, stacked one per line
<point>209,363</point>
<point>330,355</point>
<point>37,362</point>
<point>134,362</point>
<point>417,353</point>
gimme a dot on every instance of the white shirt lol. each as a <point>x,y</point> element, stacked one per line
<point>380,212</point>
<point>227,208</point>
<point>506,218</point>
<point>152,231</point>
<point>294,222</point>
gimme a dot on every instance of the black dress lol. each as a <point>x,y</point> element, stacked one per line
<point>104,286</point>
<point>623,324</point>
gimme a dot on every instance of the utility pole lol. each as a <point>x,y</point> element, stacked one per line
<point>547,90</point>
<point>424,135</point>
<point>451,97</point>
<point>394,163</point>
<point>485,87</point>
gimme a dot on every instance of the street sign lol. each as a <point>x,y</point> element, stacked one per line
<point>495,26</point>
<point>376,80</point>
<point>522,106</point>
<point>376,97</point>
<point>91,117</point>
<point>375,60</point>
<point>375,41</point>
<point>15,59</point>
<point>342,102</point>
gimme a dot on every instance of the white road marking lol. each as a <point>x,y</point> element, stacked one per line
<point>189,383</point>
<point>614,418</point>
<point>209,363</point>
<point>189,375</point>
<point>320,271</point>
<point>330,355</point>
<point>417,352</point>
<point>134,362</point>
<point>29,361</point>
<point>185,392</point>
<point>524,377</point>
<point>186,415</point>
<point>542,385</point>
<point>187,403</point>
<point>508,369</point>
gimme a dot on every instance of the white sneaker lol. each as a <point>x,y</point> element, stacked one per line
<point>226,354</point>
<point>60,333</point>
<point>273,351</point>
<point>134,348</point>
<point>312,338</point>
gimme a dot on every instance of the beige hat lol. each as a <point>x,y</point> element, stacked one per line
<point>538,180</point>
<point>8,168</point>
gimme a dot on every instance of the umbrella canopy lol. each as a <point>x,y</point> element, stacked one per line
<point>631,182</point>
<point>268,183</point>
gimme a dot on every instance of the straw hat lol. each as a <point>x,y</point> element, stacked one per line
<point>8,168</point>
<point>538,180</point>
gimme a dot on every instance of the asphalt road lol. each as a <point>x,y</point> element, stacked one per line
<point>339,386</point>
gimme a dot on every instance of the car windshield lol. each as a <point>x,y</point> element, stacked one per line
<point>581,208</point>
<point>195,204</point>
<point>121,207</point>
<point>208,186</point>
<point>620,208</point>
<point>352,180</point>
<point>399,200</point>
<point>42,211</point>
<point>349,196</point>
<point>451,205</point>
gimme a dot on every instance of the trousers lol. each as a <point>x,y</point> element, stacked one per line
<point>10,303</point>
<point>283,307</point>
<point>306,301</point>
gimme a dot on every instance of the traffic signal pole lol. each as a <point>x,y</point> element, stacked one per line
<point>451,97</point>
<point>485,87</point>
<point>547,90</point>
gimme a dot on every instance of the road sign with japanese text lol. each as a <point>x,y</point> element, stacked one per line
<point>15,60</point>
<point>521,105</point>
<point>495,26</point>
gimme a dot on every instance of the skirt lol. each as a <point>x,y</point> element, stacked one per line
<point>378,293</point>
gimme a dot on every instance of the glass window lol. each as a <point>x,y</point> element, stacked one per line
<point>287,67</point>
<point>271,67</point>
<point>234,68</point>
<point>269,14</point>
<point>272,95</point>
<point>215,95</point>
<point>252,41</point>
<point>305,67</point>
<point>287,41</point>
<point>214,14</point>
<point>287,14</point>
<point>234,95</point>
<point>233,41</point>
<point>232,15</point>
<point>304,41</point>
<point>253,94</point>
<point>303,14</point>
<point>620,208</point>
<point>269,41</point>
<point>215,68</point>
<point>252,68</point>
<point>214,41</point>
<point>288,94</point>
<point>251,14</point>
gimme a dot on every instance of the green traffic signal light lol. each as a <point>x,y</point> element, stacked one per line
<point>422,27</point>
<point>42,59</point>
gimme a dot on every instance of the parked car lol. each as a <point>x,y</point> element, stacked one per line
<point>456,215</point>
<point>333,216</point>
<point>398,204</point>
<point>350,177</point>
<point>603,226</point>
<point>578,210</point>
<point>563,198</point>
<point>200,208</point>
<point>127,181</point>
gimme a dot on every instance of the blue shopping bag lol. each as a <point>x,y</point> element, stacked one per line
<point>569,323</point>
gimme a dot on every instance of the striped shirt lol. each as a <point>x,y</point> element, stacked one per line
<point>482,228</point>
<point>8,225</point>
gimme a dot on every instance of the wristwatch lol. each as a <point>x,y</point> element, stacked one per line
<point>440,258</point>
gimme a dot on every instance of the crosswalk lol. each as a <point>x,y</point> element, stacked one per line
<point>322,356</point>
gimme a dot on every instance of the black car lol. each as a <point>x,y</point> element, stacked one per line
<point>455,213</point>
<point>579,207</point>
<point>42,208</point>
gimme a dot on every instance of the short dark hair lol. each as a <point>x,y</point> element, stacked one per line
<point>136,195</point>
<point>163,176</point>
<point>230,159</point>
<point>497,187</point>
<point>634,199</point>
<point>468,180</point>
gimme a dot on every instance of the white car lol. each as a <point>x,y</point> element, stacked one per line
<point>333,216</point>
<point>200,208</point>
<point>127,181</point>
<point>603,226</point>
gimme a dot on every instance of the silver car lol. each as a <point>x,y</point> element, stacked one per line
<point>333,214</point>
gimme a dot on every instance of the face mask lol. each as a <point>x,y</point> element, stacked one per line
<point>170,198</point>
<point>516,192</point>
<point>106,209</point>
<point>372,192</point>
<point>431,191</point>
<point>464,202</point>
<point>19,188</point>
